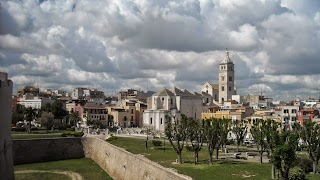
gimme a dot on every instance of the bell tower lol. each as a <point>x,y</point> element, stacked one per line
<point>226,79</point>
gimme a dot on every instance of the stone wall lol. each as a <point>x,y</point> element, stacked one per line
<point>42,150</point>
<point>121,164</point>
<point>6,164</point>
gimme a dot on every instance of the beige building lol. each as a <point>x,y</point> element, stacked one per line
<point>126,114</point>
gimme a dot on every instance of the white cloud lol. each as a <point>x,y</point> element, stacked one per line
<point>117,44</point>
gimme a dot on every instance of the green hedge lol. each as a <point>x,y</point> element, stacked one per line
<point>73,134</point>
<point>156,143</point>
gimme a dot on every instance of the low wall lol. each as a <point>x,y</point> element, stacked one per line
<point>42,150</point>
<point>121,164</point>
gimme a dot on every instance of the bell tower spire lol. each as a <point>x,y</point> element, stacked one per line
<point>226,79</point>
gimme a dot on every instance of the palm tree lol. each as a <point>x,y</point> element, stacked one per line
<point>30,114</point>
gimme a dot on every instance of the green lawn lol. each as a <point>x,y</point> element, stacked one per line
<point>86,167</point>
<point>221,169</point>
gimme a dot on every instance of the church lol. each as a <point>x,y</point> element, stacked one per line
<point>174,102</point>
<point>225,89</point>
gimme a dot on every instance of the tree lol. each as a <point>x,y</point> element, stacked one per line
<point>18,114</point>
<point>212,135</point>
<point>224,130</point>
<point>311,136</point>
<point>47,119</point>
<point>239,128</point>
<point>58,111</point>
<point>284,156</point>
<point>176,132</point>
<point>272,140</point>
<point>30,114</point>
<point>258,133</point>
<point>195,134</point>
<point>74,117</point>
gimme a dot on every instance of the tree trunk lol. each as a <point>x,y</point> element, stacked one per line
<point>180,158</point>
<point>196,156</point>
<point>29,129</point>
<point>286,175</point>
<point>261,154</point>
<point>217,153</point>
<point>315,167</point>
<point>210,158</point>
<point>273,172</point>
<point>238,147</point>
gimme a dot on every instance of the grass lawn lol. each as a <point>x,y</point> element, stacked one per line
<point>86,167</point>
<point>221,169</point>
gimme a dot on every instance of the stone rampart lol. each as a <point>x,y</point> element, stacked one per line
<point>121,164</point>
<point>42,150</point>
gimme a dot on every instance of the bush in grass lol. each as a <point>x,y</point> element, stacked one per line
<point>189,148</point>
<point>304,163</point>
<point>230,142</point>
<point>297,173</point>
<point>74,134</point>
<point>65,134</point>
<point>156,143</point>
<point>78,134</point>
<point>111,138</point>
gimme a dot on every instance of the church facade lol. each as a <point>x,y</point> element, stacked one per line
<point>175,102</point>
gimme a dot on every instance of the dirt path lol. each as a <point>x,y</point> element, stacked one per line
<point>72,175</point>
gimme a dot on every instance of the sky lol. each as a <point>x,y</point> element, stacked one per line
<point>150,44</point>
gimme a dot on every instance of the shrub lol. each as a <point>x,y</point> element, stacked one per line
<point>230,142</point>
<point>156,143</point>
<point>70,129</point>
<point>304,163</point>
<point>111,138</point>
<point>78,134</point>
<point>189,148</point>
<point>297,173</point>
<point>74,134</point>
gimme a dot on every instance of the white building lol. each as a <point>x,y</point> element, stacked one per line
<point>171,102</point>
<point>287,114</point>
<point>34,101</point>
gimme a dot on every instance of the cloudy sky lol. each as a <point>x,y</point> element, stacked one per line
<point>150,44</point>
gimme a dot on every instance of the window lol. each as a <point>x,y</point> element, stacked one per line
<point>285,111</point>
<point>207,91</point>
<point>131,111</point>
<point>215,97</point>
<point>230,78</point>
<point>162,99</point>
<point>231,68</point>
<point>222,78</point>
<point>229,88</point>
<point>222,88</point>
<point>125,118</point>
<point>160,120</point>
<point>207,100</point>
<point>131,118</point>
<point>293,111</point>
<point>294,119</point>
<point>150,120</point>
<point>171,101</point>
